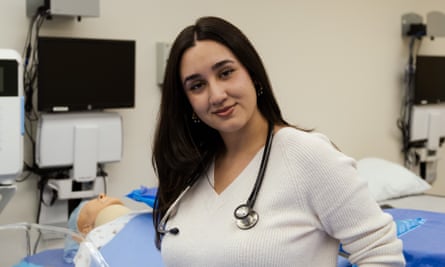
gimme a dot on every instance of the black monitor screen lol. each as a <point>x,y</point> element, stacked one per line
<point>9,78</point>
<point>85,74</point>
<point>429,83</point>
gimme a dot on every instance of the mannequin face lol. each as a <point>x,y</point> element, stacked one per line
<point>90,210</point>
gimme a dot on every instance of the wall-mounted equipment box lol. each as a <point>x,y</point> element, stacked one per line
<point>11,116</point>
<point>74,8</point>
<point>162,53</point>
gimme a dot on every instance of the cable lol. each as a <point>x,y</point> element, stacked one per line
<point>30,57</point>
<point>404,122</point>
<point>29,53</point>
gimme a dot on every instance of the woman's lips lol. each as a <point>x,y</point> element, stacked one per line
<point>224,112</point>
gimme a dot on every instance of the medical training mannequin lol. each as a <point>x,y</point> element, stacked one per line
<point>98,211</point>
<point>110,226</point>
<point>218,121</point>
<point>88,215</point>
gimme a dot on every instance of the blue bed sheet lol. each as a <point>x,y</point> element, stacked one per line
<point>50,257</point>
<point>425,245</point>
<point>132,246</point>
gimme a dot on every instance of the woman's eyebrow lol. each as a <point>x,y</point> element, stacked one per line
<point>215,66</point>
<point>221,63</point>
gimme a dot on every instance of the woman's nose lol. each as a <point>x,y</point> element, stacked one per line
<point>217,94</point>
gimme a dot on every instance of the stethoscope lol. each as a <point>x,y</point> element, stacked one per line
<point>246,217</point>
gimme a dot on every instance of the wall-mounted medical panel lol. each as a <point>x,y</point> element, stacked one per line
<point>11,115</point>
<point>74,8</point>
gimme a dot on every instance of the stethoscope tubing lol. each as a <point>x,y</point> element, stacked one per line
<point>246,217</point>
<point>244,214</point>
<point>163,223</point>
<point>264,160</point>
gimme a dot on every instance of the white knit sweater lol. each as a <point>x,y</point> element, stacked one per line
<point>311,199</point>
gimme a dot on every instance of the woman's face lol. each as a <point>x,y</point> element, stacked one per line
<point>218,87</point>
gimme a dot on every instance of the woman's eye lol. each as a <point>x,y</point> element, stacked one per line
<point>226,73</point>
<point>196,85</point>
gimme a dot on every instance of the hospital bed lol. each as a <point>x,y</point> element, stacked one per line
<point>390,184</point>
<point>404,195</point>
<point>34,245</point>
<point>423,245</point>
<point>134,244</point>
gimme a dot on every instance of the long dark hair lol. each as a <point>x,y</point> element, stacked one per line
<point>183,150</point>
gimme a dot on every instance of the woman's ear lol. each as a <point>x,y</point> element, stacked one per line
<point>258,87</point>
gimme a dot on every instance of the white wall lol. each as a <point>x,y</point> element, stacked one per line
<point>335,65</point>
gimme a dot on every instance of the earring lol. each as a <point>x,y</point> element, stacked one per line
<point>195,118</point>
<point>259,89</point>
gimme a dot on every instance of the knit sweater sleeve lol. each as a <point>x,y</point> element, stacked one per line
<point>341,202</point>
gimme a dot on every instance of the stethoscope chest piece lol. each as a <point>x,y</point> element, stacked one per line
<point>246,218</point>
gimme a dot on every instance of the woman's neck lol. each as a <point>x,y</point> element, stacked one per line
<point>240,148</point>
<point>249,139</point>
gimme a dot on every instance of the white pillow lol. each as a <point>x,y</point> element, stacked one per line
<point>388,180</point>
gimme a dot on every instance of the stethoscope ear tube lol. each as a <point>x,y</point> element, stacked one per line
<point>162,226</point>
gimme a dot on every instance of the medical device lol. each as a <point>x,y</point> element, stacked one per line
<point>246,217</point>
<point>429,80</point>
<point>69,148</point>
<point>78,74</point>
<point>162,54</point>
<point>427,113</point>
<point>427,134</point>
<point>11,123</point>
<point>78,8</point>
<point>422,120</point>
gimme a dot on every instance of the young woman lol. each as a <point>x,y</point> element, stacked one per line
<point>239,186</point>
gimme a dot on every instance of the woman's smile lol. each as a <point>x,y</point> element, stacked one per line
<point>225,111</point>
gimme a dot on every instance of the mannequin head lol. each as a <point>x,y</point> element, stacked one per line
<point>98,211</point>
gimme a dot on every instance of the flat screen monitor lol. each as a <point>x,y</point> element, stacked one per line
<point>429,86</point>
<point>77,74</point>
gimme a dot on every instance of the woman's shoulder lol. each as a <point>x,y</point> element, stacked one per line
<point>309,146</point>
<point>311,152</point>
<point>291,135</point>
